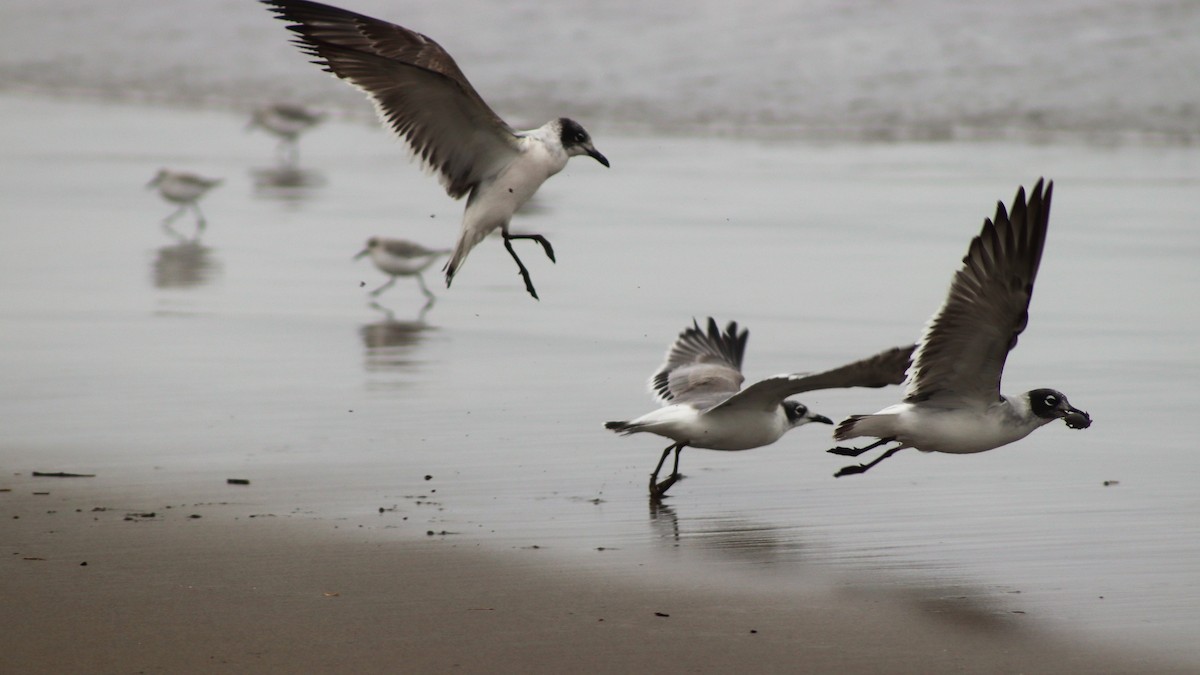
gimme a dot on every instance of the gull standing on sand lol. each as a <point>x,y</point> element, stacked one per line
<point>400,258</point>
<point>952,401</point>
<point>183,189</point>
<point>420,93</point>
<point>286,121</point>
<point>699,386</point>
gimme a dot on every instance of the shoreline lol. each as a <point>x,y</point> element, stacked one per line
<point>245,587</point>
<point>796,134</point>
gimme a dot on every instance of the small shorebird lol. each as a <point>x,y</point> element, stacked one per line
<point>400,258</point>
<point>704,406</point>
<point>420,94</point>
<point>286,121</point>
<point>183,189</point>
<point>952,401</point>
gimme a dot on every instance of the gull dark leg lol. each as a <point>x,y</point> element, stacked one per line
<point>520,265</point>
<point>539,239</point>
<point>384,287</point>
<point>675,470</point>
<point>657,490</point>
<point>661,460</point>
<point>862,468</point>
<point>855,452</point>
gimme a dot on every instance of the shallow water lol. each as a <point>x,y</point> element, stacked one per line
<point>163,366</point>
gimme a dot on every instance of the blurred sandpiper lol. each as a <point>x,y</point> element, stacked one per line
<point>400,258</point>
<point>184,189</point>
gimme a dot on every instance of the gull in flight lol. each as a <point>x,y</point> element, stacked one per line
<point>952,401</point>
<point>704,405</point>
<point>420,94</point>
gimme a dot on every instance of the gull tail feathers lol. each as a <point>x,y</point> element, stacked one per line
<point>854,426</point>
<point>845,428</point>
<point>623,427</point>
<point>467,241</point>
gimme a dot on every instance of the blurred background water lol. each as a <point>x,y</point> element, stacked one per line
<point>927,69</point>
<point>814,170</point>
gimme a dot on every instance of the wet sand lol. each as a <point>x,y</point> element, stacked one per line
<point>165,367</point>
<point>102,583</point>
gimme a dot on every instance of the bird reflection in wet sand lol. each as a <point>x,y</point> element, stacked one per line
<point>663,518</point>
<point>704,406</point>
<point>401,258</point>
<point>286,183</point>
<point>729,536</point>
<point>184,189</point>
<point>183,265</point>
<point>390,343</point>
<point>286,121</point>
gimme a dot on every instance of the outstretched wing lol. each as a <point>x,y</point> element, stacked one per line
<point>700,365</point>
<point>962,352</point>
<point>417,88</point>
<point>885,368</point>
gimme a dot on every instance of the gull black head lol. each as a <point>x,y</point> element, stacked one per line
<point>576,141</point>
<point>797,414</point>
<point>1050,404</point>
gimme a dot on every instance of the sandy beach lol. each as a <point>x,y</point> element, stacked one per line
<point>101,583</point>
<point>432,491</point>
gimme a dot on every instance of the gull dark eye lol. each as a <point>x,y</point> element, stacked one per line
<point>1051,400</point>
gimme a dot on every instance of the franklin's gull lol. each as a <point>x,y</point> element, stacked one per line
<point>699,386</point>
<point>400,258</point>
<point>286,121</point>
<point>183,189</point>
<point>952,401</point>
<point>420,93</point>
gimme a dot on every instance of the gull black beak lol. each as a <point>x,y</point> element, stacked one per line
<point>362,253</point>
<point>595,154</point>
<point>1076,418</point>
<point>820,418</point>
